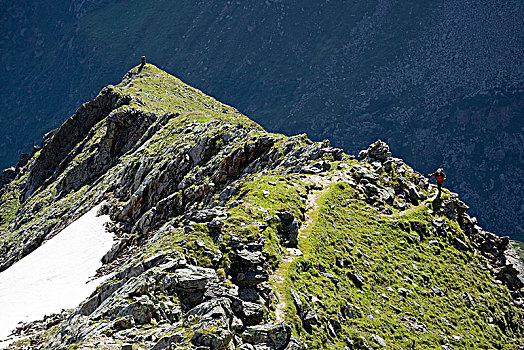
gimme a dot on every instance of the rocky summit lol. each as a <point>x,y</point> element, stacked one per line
<point>230,237</point>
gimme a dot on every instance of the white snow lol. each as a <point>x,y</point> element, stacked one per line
<point>54,276</point>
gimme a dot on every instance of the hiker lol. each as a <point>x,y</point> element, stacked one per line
<point>143,63</point>
<point>440,176</point>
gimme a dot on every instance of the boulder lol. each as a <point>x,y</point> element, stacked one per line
<point>212,329</point>
<point>378,150</point>
<point>248,268</point>
<point>309,319</point>
<point>140,310</point>
<point>295,344</point>
<point>274,336</point>
<point>360,172</point>
<point>125,322</point>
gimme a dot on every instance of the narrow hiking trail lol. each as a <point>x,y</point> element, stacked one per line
<point>412,209</point>
<point>407,211</point>
<point>321,184</point>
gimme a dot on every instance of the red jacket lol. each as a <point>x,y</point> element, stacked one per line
<point>439,176</point>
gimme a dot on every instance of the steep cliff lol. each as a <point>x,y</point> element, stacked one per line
<point>230,237</point>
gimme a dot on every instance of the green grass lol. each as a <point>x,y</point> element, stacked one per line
<point>391,259</point>
<point>178,241</point>
<point>263,197</point>
<point>163,93</point>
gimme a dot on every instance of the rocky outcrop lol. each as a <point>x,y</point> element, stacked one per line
<point>50,161</point>
<point>504,262</point>
<point>209,315</point>
<point>379,150</point>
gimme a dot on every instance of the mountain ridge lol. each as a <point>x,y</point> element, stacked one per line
<point>206,206</point>
<point>440,82</point>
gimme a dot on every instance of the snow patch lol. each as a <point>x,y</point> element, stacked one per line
<point>54,276</point>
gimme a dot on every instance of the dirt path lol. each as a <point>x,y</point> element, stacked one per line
<point>322,183</point>
<point>410,210</point>
<point>407,211</point>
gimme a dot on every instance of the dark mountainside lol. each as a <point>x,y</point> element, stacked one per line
<point>441,82</point>
<point>230,237</point>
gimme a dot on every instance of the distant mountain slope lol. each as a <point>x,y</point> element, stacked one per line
<point>442,82</point>
<point>231,237</point>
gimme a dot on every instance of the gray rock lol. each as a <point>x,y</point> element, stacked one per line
<point>219,339</point>
<point>437,291</point>
<point>310,318</point>
<point>250,313</point>
<point>358,280</point>
<point>140,310</point>
<point>275,336</point>
<point>207,215</point>
<point>460,244</point>
<point>379,340</point>
<point>361,172</point>
<point>190,278</point>
<point>469,299</point>
<point>297,302</point>
<point>295,344</point>
<point>413,193</point>
<point>168,340</point>
<point>125,322</point>
<point>378,150</point>
<point>387,194</point>
<point>248,294</point>
<point>236,324</point>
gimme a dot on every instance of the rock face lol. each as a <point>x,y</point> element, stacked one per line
<point>205,204</point>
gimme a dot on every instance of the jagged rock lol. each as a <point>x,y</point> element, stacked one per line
<point>437,291</point>
<point>214,313</point>
<point>414,194</point>
<point>460,244</point>
<point>190,278</point>
<point>7,176</point>
<point>207,215</point>
<point>295,344</point>
<point>298,303</point>
<point>247,268</point>
<point>469,299</point>
<point>419,228</point>
<point>111,254</point>
<point>275,336</point>
<point>361,172</point>
<point>168,340</point>
<point>379,340</point>
<point>69,134</point>
<point>387,194</point>
<point>125,322</point>
<point>378,150</point>
<point>248,294</point>
<point>140,310</point>
<point>309,319</point>
<point>358,280</point>
<point>218,340</point>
